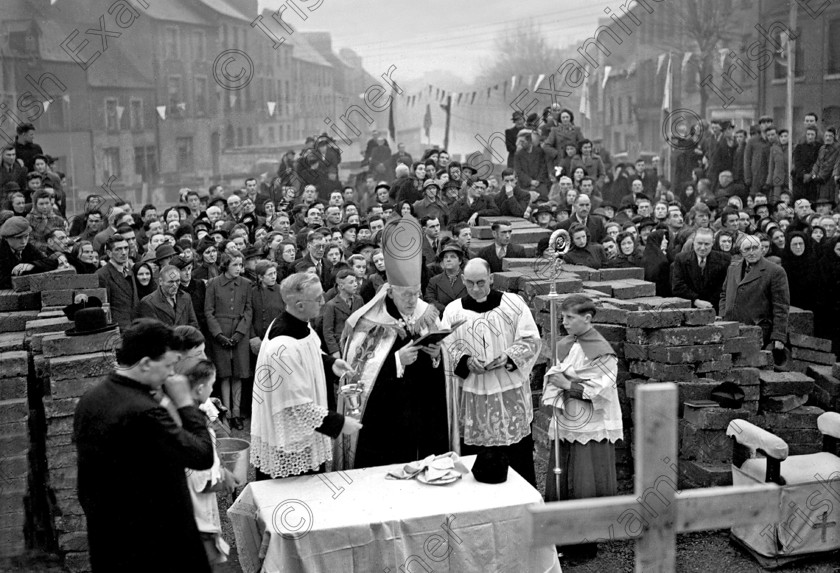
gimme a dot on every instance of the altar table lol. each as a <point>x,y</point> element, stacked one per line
<point>359,522</point>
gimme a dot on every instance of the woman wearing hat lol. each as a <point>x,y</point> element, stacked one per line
<point>565,133</point>
<point>206,268</point>
<point>228,309</point>
<point>431,205</point>
<point>447,286</point>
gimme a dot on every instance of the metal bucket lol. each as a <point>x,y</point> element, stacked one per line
<point>235,454</point>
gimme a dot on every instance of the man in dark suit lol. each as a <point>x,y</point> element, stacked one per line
<point>511,200</point>
<point>119,283</point>
<point>501,247</point>
<point>518,120</point>
<point>594,224</point>
<point>699,275</point>
<point>431,239</point>
<point>756,292</point>
<point>130,447</point>
<point>168,304</point>
<point>316,245</point>
<point>447,286</point>
<point>473,205</point>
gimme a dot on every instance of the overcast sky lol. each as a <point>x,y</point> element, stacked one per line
<point>458,36</point>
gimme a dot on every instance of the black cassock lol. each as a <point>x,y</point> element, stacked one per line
<point>405,418</point>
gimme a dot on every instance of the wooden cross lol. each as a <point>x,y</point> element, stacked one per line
<point>657,511</point>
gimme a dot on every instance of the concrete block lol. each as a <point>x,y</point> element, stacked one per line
<point>743,376</point>
<point>59,407</point>
<point>62,345</point>
<point>784,403</point>
<point>814,356</point>
<point>729,328</point>
<point>761,359</point>
<point>532,287</point>
<point>784,383</point>
<point>13,388</point>
<point>802,417</point>
<point>14,364</point>
<point>635,351</point>
<point>59,281</point>
<point>824,378</point>
<point>714,418</point>
<point>612,332</point>
<point>678,336</point>
<point>16,321</point>
<point>72,387</point>
<point>625,273</point>
<point>659,302</point>
<point>609,314</point>
<point>708,446</point>
<point>59,426</point>
<point>632,288</point>
<point>655,318</point>
<point>58,324</point>
<point>809,342</point>
<point>80,366</point>
<point>12,301</point>
<point>800,321</point>
<point>699,474</point>
<point>721,364</point>
<point>11,341</point>
<point>663,372</point>
<point>741,345</point>
<point>22,283</point>
<point>685,354</point>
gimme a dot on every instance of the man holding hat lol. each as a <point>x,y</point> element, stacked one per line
<point>17,256</point>
<point>408,411</point>
<point>473,205</point>
<point>756,292</point>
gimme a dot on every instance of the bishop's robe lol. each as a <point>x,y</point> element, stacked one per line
<point>408,412</point>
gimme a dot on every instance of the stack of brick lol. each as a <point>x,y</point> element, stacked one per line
<point>808,351</point>
<point>783,410</point>
<point>826,392</point>
<point>67,367</point>
<point>15,309</point>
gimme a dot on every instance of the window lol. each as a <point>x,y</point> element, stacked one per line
<point>271,134</point>
<point>145,162</point>
<point>239,138</point>
<point>250,136</point>
<point>229,137</point>
<point>171,51</point>
<point>834,46</point>
<point>199,45</point>
<point>111,163</point>
<point>184,146</point>
<point>135,114</point>
<point>200,95</point>
<point>112,122</point>
<point>174,93</point>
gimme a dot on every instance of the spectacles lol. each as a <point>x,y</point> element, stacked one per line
<point>319,299</point>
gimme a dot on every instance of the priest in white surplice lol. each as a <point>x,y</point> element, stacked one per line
<point>293,410</point>
<point>492,355</point>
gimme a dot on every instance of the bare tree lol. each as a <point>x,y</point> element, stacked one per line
<point>523,51</point>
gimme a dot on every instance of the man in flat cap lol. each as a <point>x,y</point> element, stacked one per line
<point>17,256</point>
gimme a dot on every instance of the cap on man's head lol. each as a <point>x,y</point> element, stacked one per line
<point>14,227</point>
<point>765,119</point>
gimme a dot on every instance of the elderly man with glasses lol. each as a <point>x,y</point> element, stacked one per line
<point>756,293</point>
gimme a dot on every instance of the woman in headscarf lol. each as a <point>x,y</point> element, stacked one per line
<point>628,252</point>
<point>800,265</point>
<point>144,276</point>
<point>205,267</point>
<point>84,258</point>
<point>655,262</point>
<point>724,241</point>
<point>827,317</point>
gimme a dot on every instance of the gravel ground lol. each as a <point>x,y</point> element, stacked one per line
<point>706,552</point>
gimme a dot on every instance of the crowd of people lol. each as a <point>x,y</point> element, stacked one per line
<point>728,234</point>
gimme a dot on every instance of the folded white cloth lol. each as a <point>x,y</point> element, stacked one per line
<point>442,468</point>
<point>552,392</point>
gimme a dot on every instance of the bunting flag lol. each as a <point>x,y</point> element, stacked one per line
<point>584,99</point>
<point>472,99</point>
<point>488,94</point>
<point>540,79</point>
<point>666,95</point>
<point>685,60</point>
<point>427,120</point>
<point>161,109</point>
<point>66,98</point>
<point>512,83</point>
<point>232,100</point>
<point>607,70</point>
<point>459,99</point>
<point>430,90</point>
<point>723,52</point>
<point>442,95</point>
<point>46,104</point>
<point>392,129</point>
<point>271,105</point>
<point>120,110</point>
<point>659,60</point>
<point>182,106</point>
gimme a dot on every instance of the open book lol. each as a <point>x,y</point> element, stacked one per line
<point>436,336</point>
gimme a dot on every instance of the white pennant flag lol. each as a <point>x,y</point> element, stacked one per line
<point>512,82</point>
<point>686,58</point>
<point>666,95</point>
<point>659,61</point>
<point>723,52</point>
<point>161,109</point>
<point>182,106</point>
<point>540,79</point>
<point>584,98</point>
<point>66,98</point>
<point>46,104</point>
<point>271,105</point>
<point>120,110</point>
<point>607,70</point>
<point>232,100</point>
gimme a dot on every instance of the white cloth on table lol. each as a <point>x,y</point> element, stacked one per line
<point>359,522</point>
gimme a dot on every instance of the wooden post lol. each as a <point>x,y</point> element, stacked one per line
<point>657,511</point>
